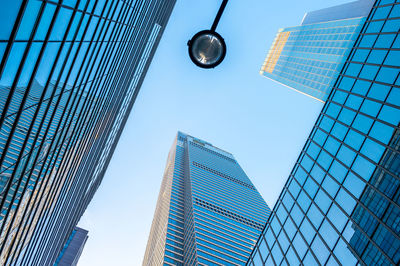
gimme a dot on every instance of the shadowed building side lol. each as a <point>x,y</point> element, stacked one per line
<point>72,250</point>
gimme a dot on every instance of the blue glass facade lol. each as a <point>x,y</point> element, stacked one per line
<point>72,250</point>
<point>208,211</point>
<point>70,72</point>
<point>308,58</point>
<point>341,203</point>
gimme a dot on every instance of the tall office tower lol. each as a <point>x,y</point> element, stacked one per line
<point>72,250</point>
<point>308,58</point>
<point>69,74</point>
<point>208,211</point>
<point>341,203</point>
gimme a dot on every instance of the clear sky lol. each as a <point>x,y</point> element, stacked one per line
<point>263,124</point>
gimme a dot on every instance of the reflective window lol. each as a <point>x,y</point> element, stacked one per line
<point>343,254</point>
<point>300,245</point>
<point>337,217</point>
<point>2,48</point>
<point>45,21</point>
<point>28,20</point>
<point>338,171</point>
<point>307,231</point>
<point>61,24</point>
<point>320,250</point>
<point>362,123</point>
<point>339,131</point>
<point>47,62</point>
<point>12,64</point>
<point>8,12</point>
<point>276,253</point>
<point>378,91</point>
<point>387,75</point>
<point>291,257</point>
<point>263,249</point>
<point>354,139</point>
<point>372,150</point>
<point>330,186</point>
<point>309,259</point>
<point>328,234</point>
<point>346,155</point>
<point>363,167</point>
<point>297,215</point>
<point>390,115</point>
<point>29,64</point>
<point>311,187</point>
<point>256,259</point>
<point>290,228</point>
<point>354,184</point>
<point>345,201</point>
<point>323,201</point>
<point>294,188</point>
<point>304,201</point>
<point>376,56</point>
<point>381,132</point>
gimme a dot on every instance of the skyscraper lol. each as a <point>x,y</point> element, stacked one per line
<point>340,205</point>
<point>309,57</point>
<point>72,250</point>
<point>69,74</point>
<point>208,211</point>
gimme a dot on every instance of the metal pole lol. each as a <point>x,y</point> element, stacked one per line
<point>219,14</point>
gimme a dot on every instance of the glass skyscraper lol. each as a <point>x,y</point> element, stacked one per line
<point>341,203</point>
<point>72,250</point>
<point>208,211</point>
<point>308,58</point>
<point>70,72</point>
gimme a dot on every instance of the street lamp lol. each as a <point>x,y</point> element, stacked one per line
<point>207,48</point>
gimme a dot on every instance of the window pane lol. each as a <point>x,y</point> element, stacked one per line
<point>8,12</point>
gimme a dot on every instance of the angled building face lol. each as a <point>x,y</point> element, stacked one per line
<point>340,205</point>
<point>72,250</point>
<point>308,58</point>
<point>208,211</point>
<point>69,75</point>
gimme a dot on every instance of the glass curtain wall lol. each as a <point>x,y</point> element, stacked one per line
<point>69,74</point>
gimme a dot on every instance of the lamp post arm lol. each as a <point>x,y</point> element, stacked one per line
<point>219,14</point>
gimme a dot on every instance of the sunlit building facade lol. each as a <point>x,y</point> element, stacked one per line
<point>308,58</point>
<point>341,203</point>
<point>70,72</point>
<point>208,211</point>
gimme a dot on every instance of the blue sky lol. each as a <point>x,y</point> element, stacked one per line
<point>263,124</point>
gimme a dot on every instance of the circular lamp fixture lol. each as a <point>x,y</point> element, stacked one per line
<point>207,49</point>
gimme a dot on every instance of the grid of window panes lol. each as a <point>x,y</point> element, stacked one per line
<point>228,212</point>
<point>314,54</point>
<point>340,205</point>
<point>215,214</point>
<point>69,73</point>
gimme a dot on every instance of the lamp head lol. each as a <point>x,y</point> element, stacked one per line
<point>207,49</point>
